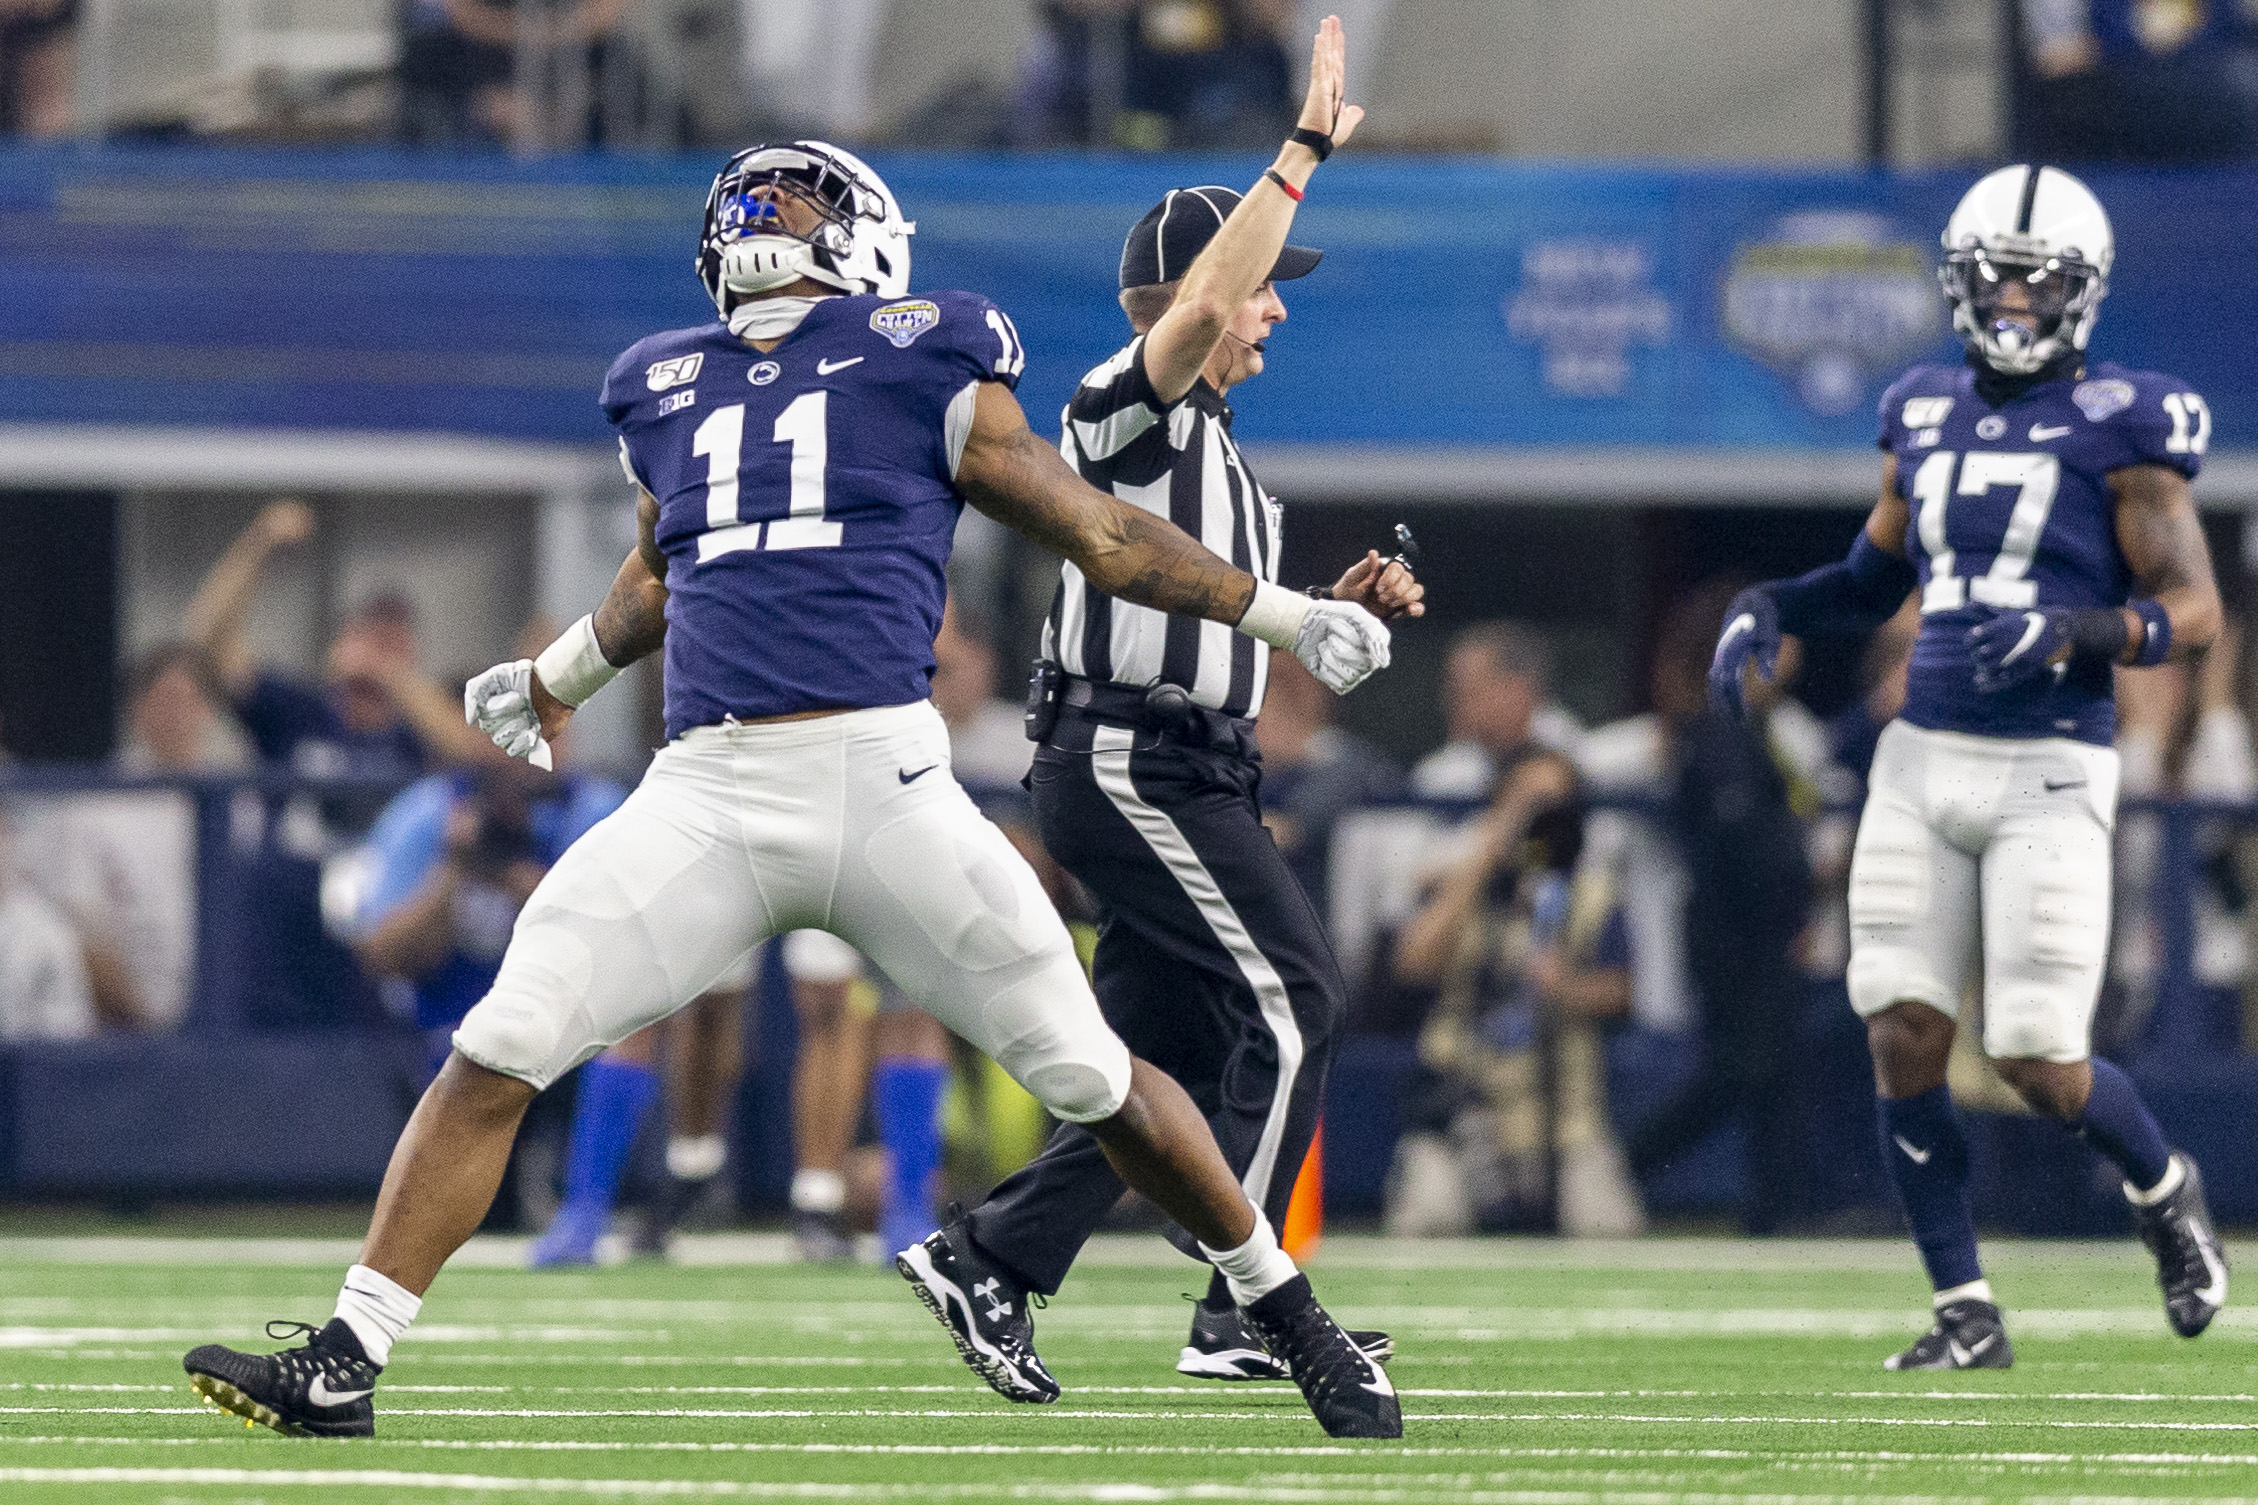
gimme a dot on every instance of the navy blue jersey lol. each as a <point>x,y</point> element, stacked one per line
<point>2011,508</point>
<point>807,497</point>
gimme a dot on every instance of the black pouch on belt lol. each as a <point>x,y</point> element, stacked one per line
<point>1043,685</point>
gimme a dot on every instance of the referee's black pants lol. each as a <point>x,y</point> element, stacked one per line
<point>1211,964</point>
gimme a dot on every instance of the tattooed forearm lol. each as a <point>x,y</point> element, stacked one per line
<point>1156,564</point>
<point>631,624</point>
<point>1124,551</point>
<point>2162,539</point>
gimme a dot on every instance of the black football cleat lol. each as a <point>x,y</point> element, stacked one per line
<point>1968,1335</point>
<point>1222,1346</point>
<point>2190,1264</point>
<point>318,1389</point>
<point>985,1311</point>
<point>1347,1392</point>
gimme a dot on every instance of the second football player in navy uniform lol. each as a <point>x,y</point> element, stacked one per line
<point>2040,505</point>
<point>800,466</point>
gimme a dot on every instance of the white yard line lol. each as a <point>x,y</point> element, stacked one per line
<point>1847,1458</point>
<point>1313,1494</point>
<point>1281,1413</point>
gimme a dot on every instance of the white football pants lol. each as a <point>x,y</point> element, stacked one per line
<point>1991,837</point>
<point>852,824</point>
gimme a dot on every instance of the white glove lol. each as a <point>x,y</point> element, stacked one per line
<point>1342,644</point>
<point>500,704</point>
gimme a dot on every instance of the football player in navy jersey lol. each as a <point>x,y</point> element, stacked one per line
<point>2040,505</point>
<point>800,465</point>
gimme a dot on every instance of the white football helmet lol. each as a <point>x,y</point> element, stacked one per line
<point>860,243</point>
<point>2043,229</point>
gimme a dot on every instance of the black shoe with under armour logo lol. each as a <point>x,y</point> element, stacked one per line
<point>2191,1265</point>
<point>985,1311</point>
<point>1223,1346</point>
<point>319,1389</point>
<point>1347,1392</point>
<point>1969,1335</point>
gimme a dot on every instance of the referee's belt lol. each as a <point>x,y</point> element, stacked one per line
<point>1165,709</point>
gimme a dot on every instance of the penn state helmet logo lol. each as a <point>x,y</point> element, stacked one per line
<point>763,373</point>
<point>902,323</point>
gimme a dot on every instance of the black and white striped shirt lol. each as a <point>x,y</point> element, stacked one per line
<point>1177,461</point>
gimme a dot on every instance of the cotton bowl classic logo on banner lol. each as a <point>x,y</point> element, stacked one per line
<point>1839,301</point>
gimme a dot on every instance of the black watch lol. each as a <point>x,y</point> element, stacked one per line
<point>1319,592</point>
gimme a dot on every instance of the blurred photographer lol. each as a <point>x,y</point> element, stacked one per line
<point>1528,957</point>
<point>454,858</point>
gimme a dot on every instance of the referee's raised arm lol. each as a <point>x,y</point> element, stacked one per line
<point>1239,259</point>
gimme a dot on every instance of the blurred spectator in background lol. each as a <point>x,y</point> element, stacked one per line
<point>122,864</point>
<point>373,715</point>
<point>988,744</point>
<point>1748,889</point>
<point>453,859</point>
<point>808,64</point>
<point>44,993</point>
<point>1513,1130</point>
<point>38,66</point>
<point>2142,80</point>
<point>459,63</point>
<point>2183,733</point>
<point>1313,773</point>
<point>1156,75</point>
<point>1496,685</point>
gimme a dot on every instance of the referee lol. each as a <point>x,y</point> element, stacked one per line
<point>1211,961</point>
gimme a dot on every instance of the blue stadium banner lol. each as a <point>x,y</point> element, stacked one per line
<point>1460,302</point>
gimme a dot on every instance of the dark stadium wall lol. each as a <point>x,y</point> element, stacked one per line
<point>58,625</point>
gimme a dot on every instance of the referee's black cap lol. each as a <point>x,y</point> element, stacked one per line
<point>1162,244</point>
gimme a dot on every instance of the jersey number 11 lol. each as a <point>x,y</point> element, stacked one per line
<point>721,440</point>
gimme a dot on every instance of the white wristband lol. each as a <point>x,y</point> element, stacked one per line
<point>1275,615</point>
<point>573,668</point>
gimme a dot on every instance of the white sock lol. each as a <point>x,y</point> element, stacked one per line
<point>378,1309</point>
<point>818,1191</point>
<point>1975,1290</point>
<point>1257,1267</point>
<point>696,1157</point>
<point>2174,1174</point>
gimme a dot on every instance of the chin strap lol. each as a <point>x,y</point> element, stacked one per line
<point>769,318</point>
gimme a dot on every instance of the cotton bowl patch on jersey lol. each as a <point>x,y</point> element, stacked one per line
<point>902,323</point>
<point>2098,399</point>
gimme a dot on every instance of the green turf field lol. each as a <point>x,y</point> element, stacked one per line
<point>1536,1372</point>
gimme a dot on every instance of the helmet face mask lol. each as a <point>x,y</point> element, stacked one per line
<point>2022,335</point>
<point>2038,233</point>
<point>854,239</point>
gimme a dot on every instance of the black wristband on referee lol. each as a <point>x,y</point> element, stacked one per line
<point>1316,141</point>
<point>2098,632</point>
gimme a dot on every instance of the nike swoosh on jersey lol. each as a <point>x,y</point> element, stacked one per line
<point>321,1395</point>
<point>908,777</point>
<point>2041,432</point>
<point>826,367</point>
<point>2054,788</point>
<point>1918,1157</point>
